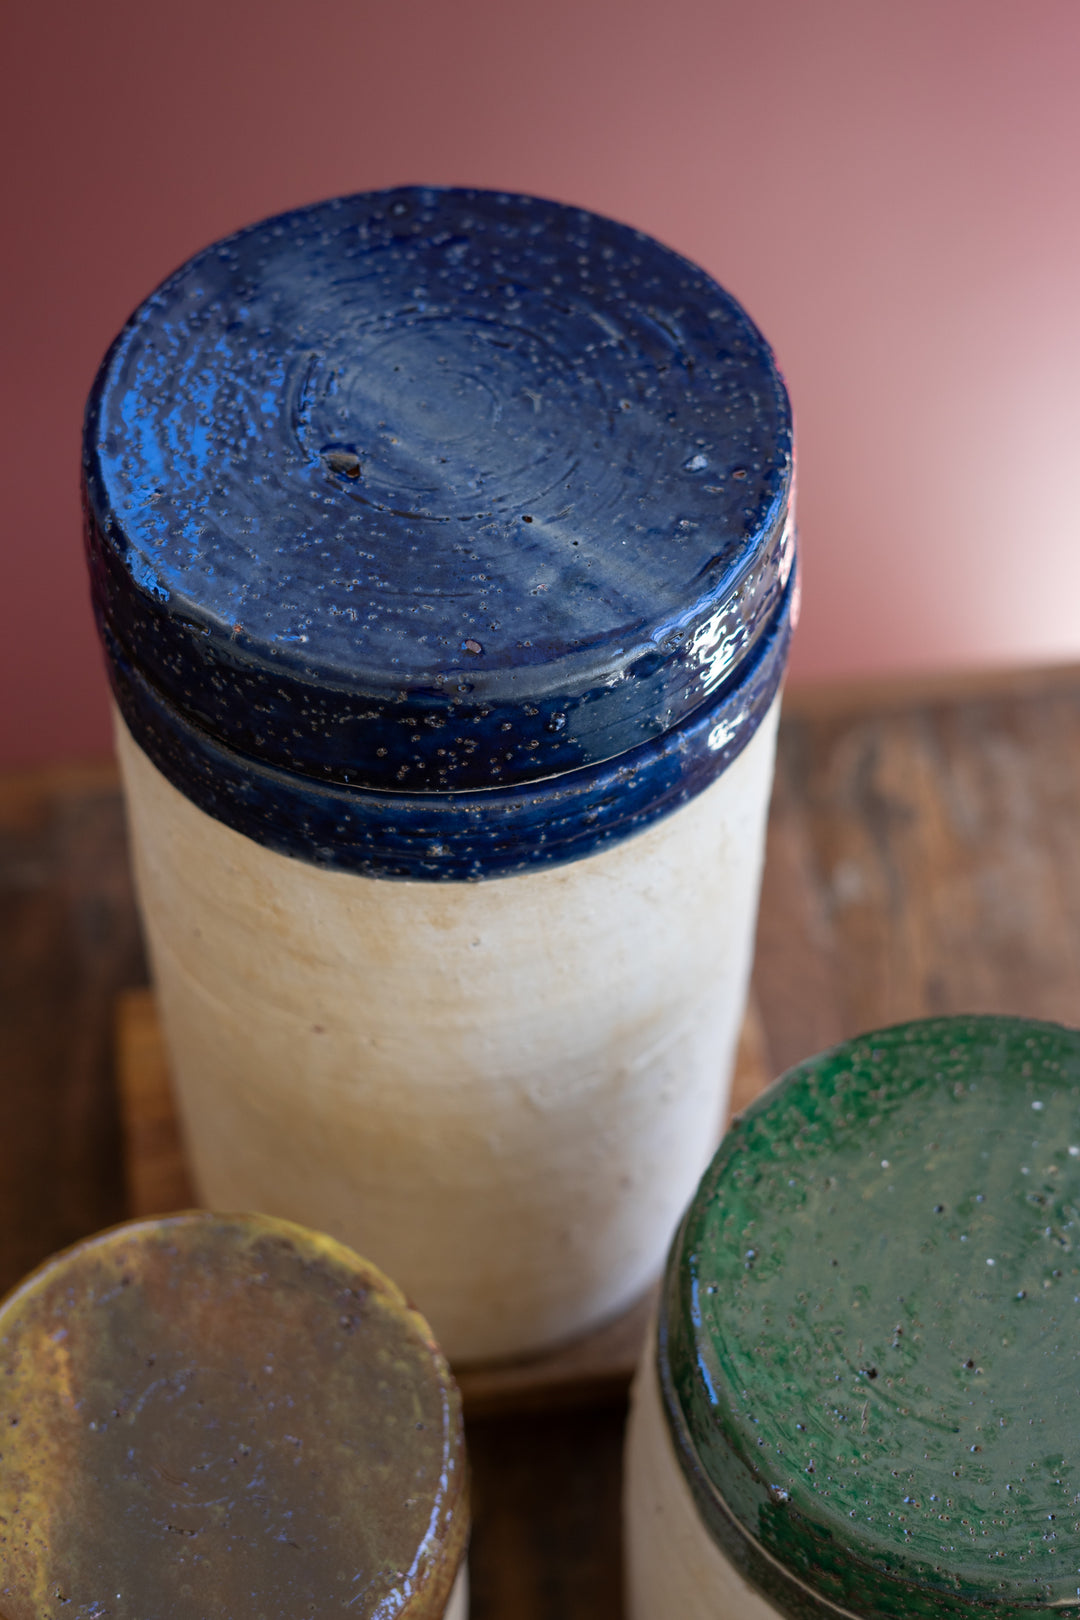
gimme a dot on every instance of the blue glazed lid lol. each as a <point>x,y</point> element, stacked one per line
<point>429,492</point>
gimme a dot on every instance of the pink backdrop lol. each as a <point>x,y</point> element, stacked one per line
<point>890,189</point>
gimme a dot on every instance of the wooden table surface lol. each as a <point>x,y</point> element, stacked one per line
<point>923,858</point>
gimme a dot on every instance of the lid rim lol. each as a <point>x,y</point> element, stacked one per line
<point>454,837</point>
<point>356,736</point>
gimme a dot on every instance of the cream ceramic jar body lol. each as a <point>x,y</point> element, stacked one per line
<point>457,1606</point>
<point>673,1566</point>
<point>503,1091</point>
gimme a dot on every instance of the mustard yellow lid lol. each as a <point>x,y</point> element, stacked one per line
<point>223,1416</point>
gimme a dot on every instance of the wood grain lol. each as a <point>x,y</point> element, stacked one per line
<point>922,860</point>
<point>68,942</point>
<point>155,1165</point>
<point>546,1515</point>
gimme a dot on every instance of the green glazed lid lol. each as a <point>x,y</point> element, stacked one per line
<point>870,1337</point>
<point>223,1418</point>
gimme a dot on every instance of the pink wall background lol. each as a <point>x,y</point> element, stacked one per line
<point>890,189</point>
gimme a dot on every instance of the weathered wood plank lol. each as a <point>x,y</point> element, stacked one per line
<point>69,944</point>
<point>937,864</point>
<point>546,1510</point>
<point>882,695</point>
<point>155,1167</point>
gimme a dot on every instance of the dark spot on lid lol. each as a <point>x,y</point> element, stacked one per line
<point>344,462</point>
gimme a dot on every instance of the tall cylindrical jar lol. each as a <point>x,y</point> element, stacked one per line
<point>860,1399</point>
<point>442,551</point>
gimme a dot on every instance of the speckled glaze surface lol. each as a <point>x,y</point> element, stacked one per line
<point>427,493</point>
<point>869,1345</point>
<point>456,836</point>
<point>223,1415</point>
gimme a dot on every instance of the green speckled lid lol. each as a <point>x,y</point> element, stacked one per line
<point>870,1336</point>
<point>224,1418</point>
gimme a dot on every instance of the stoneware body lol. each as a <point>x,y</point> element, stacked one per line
<point>508,1087</point>
<point>442,549</point>
<point>859,1397</point>
<point>225,1415</point>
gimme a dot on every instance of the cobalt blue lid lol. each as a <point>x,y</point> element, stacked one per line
<point>436,491</point>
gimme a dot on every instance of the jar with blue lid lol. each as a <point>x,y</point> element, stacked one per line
<point>442,547</point>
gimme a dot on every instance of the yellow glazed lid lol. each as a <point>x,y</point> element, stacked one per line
<point>226,1416</point>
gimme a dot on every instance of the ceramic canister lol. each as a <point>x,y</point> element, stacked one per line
<point>862,1399</point>
<point>225,1415</point>
<point>442,546</point>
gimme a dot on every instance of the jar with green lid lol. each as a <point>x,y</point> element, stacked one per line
<point>225,1416</point>
<point>861,1396</point>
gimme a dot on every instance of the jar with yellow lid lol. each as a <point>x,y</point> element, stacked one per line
<point>225,1416</point>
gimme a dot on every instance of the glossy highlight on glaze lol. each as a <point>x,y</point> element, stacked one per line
<point>461,836</point>
<point>434,492</point>
<point>870,1336</point>
<point>224,1415</point>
